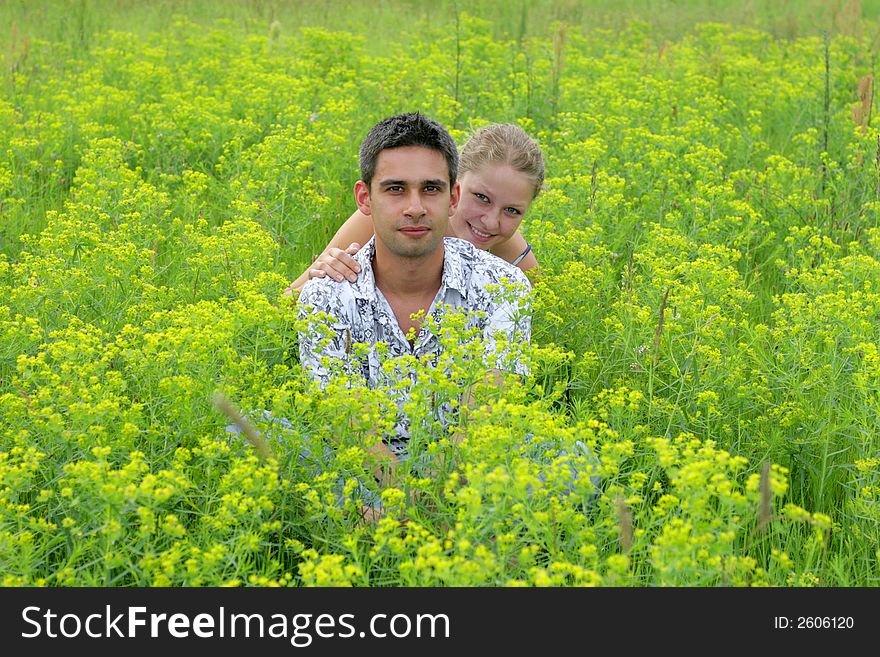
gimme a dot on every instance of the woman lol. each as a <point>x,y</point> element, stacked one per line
<point>501,170</point>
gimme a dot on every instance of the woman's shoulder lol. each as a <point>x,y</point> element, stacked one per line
<point>513,249</point>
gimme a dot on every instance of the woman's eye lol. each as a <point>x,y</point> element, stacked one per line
<point>482,197</point>
<point>513,211</point>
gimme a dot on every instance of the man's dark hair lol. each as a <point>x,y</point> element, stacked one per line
<point>412,129</point>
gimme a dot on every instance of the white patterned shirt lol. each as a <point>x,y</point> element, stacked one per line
<point>362,314</point>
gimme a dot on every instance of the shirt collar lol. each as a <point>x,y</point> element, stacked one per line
<point>364,286</point>
<point>458,259</point>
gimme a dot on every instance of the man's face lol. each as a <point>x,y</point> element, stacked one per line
<point>409,199</point>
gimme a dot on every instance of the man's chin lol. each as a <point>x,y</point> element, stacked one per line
<point>415,253</point>
<point>414,250</point>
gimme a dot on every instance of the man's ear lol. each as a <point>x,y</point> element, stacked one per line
<point>455,196</point>
<point>362,197</point>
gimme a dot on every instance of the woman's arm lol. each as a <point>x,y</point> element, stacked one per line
<point>336,260</point>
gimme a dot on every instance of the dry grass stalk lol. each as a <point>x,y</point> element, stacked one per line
<point>629,275</point>
<point>593,184</point>
<point>228,409</point>
<point>877,170</point>
<point>658,332</point>
<point>861,111</point>
<point>624,519</point>
<point>559,39</point>
<point>18,51</point>
<point>23,394</point>
<point>765,512</point>
<point>847,18</point>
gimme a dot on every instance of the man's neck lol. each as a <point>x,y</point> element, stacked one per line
<point>402,277</point>
<point>409,285</point>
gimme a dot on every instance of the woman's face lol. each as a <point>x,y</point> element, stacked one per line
<point>493,201</point>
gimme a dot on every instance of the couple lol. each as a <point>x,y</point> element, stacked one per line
<point>416,265</point>
<point>501,170</point>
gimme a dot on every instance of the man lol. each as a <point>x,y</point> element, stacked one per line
<point>409,270</point>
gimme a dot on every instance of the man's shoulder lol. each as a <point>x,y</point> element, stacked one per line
<point>486,267</point>
<point>326,294</point>
<point>320,292</point>
<point>500,269</point>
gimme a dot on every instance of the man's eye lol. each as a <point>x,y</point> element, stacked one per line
<point>432,189</point>
<point>482,197</point>
<point>395,188</point>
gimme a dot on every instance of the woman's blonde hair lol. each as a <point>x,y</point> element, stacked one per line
<point>504,143</point>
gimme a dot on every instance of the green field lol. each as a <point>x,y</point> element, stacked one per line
<point>707,317</point>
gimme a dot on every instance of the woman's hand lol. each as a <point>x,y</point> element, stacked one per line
<point>337,263</point>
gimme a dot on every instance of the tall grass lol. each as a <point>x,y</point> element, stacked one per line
<point>76,22</point>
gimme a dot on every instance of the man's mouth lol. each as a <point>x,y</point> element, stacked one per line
<point>415,231</point>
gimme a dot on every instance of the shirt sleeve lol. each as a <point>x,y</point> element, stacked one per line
<point>509,326</point>
<point>324,334</point>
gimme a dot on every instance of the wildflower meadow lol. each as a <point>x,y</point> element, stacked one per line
<point>706,315</point>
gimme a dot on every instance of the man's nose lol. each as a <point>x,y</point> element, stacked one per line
<point>415,208</point>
